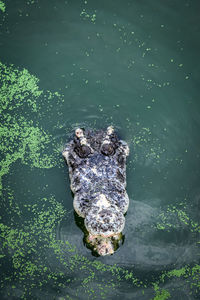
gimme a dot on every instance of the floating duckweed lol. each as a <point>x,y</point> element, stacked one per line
<point>21,136</point>
<point>85,15</point>
<point>151,147</point>
<point>161,294</point>
<point>177,273</point>
<point>2,6</point>
<point>31,1</point>
<point>175,218</point>
<point>22,244</point>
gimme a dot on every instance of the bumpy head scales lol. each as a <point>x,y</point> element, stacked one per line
<point>105,222</point>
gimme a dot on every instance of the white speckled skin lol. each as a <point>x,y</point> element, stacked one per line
<point>97,169</point>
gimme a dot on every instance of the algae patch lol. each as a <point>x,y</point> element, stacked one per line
<point>175,217</point>
<point>161,294</point>
<point>22,136</point>
<point>87,15</point>
<point>24,247</point>
<point>2,6</point>
<point>148,149</point>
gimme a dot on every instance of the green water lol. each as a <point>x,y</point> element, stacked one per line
<point>132,64</point>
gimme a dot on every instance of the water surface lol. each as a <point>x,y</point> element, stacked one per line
<point>132,64</point>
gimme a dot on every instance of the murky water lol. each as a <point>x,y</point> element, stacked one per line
<point>132,64</point>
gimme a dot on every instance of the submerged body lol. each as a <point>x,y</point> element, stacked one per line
<point>97,169</point>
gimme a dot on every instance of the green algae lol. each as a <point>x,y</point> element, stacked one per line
<point>21,110</point>
<point>177,273</point>
<point>23,138</point>
<point>29,2</point>
<point>21,245</point>
<point>86,15</point>
<point>2,6</point>
<point>161,294</point>
<point>176,217</point>
<point>146,146</point>
<point>189,275</point>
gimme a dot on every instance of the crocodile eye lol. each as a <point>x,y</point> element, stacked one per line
<point>83,151</point>
<point>107,149</point>
<point>114,139</point>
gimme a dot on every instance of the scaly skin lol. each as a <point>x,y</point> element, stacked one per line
<point>97,169</point>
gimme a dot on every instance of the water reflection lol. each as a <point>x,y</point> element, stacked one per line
<point>145,247</point>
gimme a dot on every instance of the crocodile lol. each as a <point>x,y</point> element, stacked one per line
<point>97,171</point>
